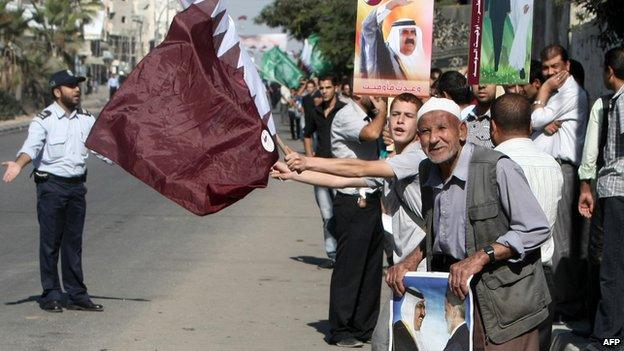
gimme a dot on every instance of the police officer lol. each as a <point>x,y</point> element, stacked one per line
<point>56,146</point>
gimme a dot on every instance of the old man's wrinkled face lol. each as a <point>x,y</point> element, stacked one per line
<point>441,136</point>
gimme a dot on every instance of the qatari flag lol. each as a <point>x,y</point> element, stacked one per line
<point>192,120</point>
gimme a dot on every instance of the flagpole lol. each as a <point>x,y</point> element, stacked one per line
<point>285,148</point>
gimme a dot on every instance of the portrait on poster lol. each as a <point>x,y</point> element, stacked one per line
<point>503,36</point>
<point>393,47</point>
<point>429,317</point>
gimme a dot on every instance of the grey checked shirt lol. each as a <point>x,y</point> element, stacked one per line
<point>479,129</point>
<point>611,176</point>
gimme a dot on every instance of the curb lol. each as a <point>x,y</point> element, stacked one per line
<point>14,127</point>
<point>17,127</point>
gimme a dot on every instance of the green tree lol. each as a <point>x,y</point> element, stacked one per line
<point>61,25</point>
<point>13,25</point>
<point>332,20</point>
<point>33,47</point>
<point>607,16</point>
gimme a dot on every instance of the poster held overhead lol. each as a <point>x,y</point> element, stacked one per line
<point>393,47</point>
<point>500,42</point>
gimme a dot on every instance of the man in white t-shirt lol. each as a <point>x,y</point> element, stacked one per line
<point>113,85</point>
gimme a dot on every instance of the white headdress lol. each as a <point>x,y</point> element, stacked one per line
<point>440,104</point>
<point>411,64</point>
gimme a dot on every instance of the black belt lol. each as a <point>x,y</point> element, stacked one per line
<point>374,195</point>
<point>442,262</point>
<point>41,177</point>
<point>565,162</point>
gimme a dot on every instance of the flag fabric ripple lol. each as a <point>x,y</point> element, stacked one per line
<point>192,120</point>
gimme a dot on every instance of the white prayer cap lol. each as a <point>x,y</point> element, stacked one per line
<point>440,104</point>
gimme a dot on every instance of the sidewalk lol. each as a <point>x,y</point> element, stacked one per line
<point>93,103</point>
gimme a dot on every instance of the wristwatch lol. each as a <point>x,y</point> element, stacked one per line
<point>538,102</point>
<point>489,250</point>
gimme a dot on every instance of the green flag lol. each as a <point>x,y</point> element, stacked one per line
<point>278,67</point>
<point>319,65</point>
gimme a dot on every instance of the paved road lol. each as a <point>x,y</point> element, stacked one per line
<point>243,279</point>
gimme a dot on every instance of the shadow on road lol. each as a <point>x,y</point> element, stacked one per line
<point>321,327</point>
<point>35,298</point>
<point>310,260</point>
<point>26,300</point>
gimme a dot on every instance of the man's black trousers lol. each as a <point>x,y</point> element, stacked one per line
<point>610,315</point>
<point>61,211</point>
<point>356,280</point>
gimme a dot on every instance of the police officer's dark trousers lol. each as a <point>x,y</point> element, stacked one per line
<point>356,280</point>
<point>61,211</point>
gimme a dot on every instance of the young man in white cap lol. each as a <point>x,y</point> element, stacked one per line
<point>482,221</point>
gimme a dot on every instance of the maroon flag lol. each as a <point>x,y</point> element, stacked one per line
<point>192,120</point>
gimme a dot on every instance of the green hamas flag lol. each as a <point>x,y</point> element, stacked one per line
<point>313,58</point>
<point>278,67</point>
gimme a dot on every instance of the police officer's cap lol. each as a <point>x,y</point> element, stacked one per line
<point>65,77</point>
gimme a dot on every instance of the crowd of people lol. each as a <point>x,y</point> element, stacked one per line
<point>519,186</point>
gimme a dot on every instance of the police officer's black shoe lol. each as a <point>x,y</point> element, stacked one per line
<point>84,306</point>
<point>53,306</point>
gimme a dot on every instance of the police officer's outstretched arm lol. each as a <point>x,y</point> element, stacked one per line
<point>32,146</point>
<point>13,168</point>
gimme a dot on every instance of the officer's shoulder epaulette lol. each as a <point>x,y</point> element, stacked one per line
<point>44,114</point>
<point>84,111</point>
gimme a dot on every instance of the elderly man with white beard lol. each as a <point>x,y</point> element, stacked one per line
<point>482,221</point>
<point>401,55</point>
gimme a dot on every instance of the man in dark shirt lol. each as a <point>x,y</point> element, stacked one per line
<point>308,101</point>
<point>320,123</point>
<point>322,119</point>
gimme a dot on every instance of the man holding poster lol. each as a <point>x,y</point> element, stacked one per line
<point>482,221</point>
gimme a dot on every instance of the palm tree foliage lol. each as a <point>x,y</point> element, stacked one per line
<point>37,38</point>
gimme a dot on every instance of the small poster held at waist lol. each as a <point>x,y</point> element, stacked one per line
<point>429,316</point>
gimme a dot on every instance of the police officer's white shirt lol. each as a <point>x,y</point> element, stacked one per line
<point>113,82</point>
<point>56,141</point>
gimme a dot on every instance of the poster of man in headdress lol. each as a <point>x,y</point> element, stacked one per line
<point>393,47</point>
<point>429,317</point>
<point>501,37</point>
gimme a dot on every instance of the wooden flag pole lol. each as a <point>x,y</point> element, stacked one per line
<point>285,148</point>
